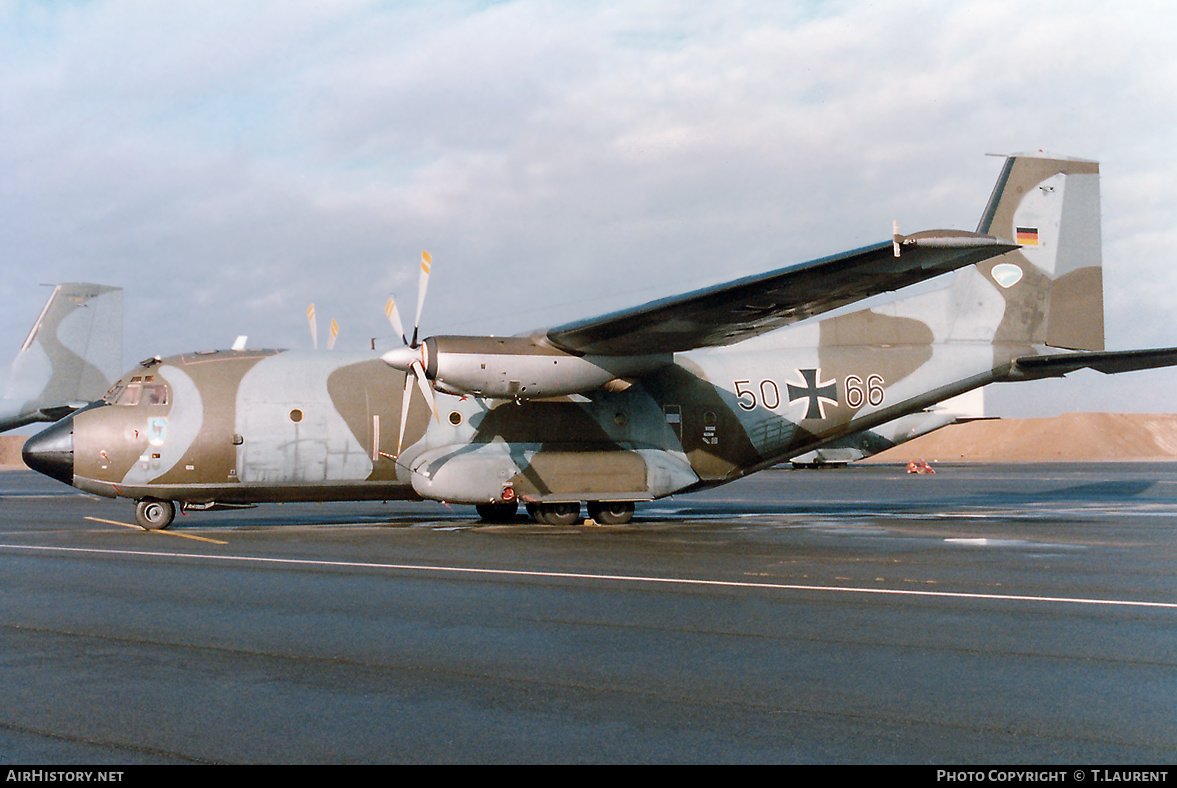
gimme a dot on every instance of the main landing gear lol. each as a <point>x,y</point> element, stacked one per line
<point>155,515</point>
<point>560,512</point>
<point>611,512</point>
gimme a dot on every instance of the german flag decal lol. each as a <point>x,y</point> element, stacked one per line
<point>1027,236</point>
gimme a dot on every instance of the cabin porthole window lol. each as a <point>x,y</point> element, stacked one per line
<point>296,415</point>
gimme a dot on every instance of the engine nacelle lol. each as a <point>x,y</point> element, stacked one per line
<point>514,367</point>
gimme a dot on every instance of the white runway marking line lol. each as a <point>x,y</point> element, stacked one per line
<point>607,578</point>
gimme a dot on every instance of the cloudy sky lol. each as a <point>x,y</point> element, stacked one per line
<point>230,163</point>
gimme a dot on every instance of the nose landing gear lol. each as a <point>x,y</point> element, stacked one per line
<point>155,515</point>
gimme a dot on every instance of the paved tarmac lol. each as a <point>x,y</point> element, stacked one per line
<point>981,615</point>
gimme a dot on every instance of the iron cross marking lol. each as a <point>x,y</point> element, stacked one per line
<point>817,394</point>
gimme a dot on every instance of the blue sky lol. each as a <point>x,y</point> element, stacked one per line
<point>228,164</point>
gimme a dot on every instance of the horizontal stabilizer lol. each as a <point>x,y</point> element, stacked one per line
<point>1108,362</point>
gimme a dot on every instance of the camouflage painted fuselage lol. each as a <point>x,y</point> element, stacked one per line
<point>255,426</point>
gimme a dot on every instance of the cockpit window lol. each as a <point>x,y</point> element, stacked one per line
<point>112,396</point>
<point>140,391</point>
<point>154,394</point>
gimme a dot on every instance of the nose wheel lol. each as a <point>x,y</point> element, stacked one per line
<point>155,515</point>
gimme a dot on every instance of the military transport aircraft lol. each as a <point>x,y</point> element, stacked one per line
<point>676,395</point>
<point>72,353</point>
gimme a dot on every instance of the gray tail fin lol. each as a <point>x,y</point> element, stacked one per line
<point>1053,284</point>
<point>72,354</point>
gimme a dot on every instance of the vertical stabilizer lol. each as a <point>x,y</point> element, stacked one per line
<point>1053,284</point>
<point>72,354</point>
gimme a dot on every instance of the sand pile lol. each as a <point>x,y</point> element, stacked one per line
<point>10,451</point>
<point>1072,437</point>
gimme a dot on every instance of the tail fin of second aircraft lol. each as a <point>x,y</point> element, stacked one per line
<point>72,354</point>
<point>1053,285</point>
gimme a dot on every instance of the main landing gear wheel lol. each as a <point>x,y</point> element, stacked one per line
<point>562,513</point>
<point>155,515</point>
<point>611,512</point>
<point>497,512</point>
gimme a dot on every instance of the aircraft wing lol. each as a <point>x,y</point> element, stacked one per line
<point>1106,361</point>
<point>738,310</point>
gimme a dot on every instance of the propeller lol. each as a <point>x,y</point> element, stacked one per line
<point>409,358</point>
<point>334,329</point>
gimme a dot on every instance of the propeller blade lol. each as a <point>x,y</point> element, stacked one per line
<point>334,335</point>
<point>395,319</point>
<point>416,371</point>
<point>408,393</point>
<point>426,388</point>
<point>422,285</point>
<point>314,328</point>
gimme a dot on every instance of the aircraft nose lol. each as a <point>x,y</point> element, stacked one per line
<point>51,451</point>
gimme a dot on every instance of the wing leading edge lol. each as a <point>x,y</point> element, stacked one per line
<point>738,310</point>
